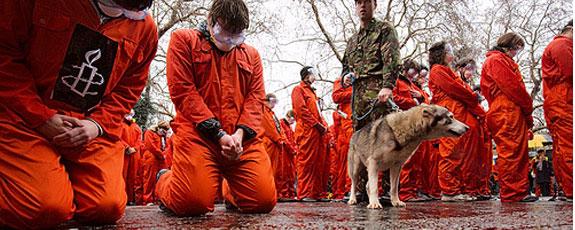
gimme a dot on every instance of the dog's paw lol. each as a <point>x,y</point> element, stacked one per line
<point>375,205</point>
<point>398,203</point>
<point>352,201</point>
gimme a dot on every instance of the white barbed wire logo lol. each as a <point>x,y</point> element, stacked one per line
<point>92,76</point>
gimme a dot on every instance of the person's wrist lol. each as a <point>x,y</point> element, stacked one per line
<point>221,133</point>
<point>100,130</point>
<point>240,133</point>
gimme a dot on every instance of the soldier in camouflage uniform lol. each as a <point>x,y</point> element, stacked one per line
<point>372,58</point>
<point>372,55</point>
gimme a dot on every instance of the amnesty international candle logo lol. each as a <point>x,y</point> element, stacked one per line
<point>87,75</point>
<point>86,69</point>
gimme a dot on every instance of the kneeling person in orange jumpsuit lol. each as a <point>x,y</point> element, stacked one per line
<point>216,84</point>
<point>70,71</point>
<point>155,142</point>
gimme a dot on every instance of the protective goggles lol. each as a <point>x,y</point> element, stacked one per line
<point>226,37</point>
<point>113,10</point>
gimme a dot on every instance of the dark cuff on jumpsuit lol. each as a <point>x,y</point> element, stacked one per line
<point>211,129</point>
<point>248,132</point>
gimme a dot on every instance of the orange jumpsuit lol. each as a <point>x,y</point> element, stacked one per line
<point>509,120</point>
<point>205,84</point>
<point>292,151</point>
<point>132,137</point>
<point>455,174</point>
<point>413,173</point>
<point>332,155</point>
<point>43,185</point>
<point>557,67</point>
<point>313,150</point>
<point>169,152</point>
<point>153,162</point>
<point>431,170</point>
<point>342,96</point>
<point>274,140</point>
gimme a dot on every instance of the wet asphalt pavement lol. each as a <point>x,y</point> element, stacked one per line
<point>337,215</point>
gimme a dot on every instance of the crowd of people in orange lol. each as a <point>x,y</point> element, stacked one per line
<point>70,148</point>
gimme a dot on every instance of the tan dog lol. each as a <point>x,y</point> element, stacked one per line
<point>388,142</point>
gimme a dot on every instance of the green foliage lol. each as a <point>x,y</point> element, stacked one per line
<point>144,108</point>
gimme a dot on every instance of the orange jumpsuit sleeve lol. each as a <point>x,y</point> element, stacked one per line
<point>17,85</point>
<point>341,95</point>
<point>402,96</point>
<point>153,144</point>
<point>180,75</point>
<point>109,114</point>
<point>511,86</point>
<point>251,115</point>
<point>138,137</point>
<point>300,106</point>
<point>453,89</point>
<point>125,135</point>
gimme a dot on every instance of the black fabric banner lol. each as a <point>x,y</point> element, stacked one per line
<point>86,69</point>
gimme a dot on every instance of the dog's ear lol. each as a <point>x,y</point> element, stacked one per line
<point>428,111</point>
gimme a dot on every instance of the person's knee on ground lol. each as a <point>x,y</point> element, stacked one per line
<point>263,204</point>
<point>101,210</point>
<point>183,203</point>
<point>46,212</point>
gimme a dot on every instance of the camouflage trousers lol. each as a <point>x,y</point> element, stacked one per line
<point>365,110</point>
<point>364,102</point>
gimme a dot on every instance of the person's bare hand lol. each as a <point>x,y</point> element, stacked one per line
<point>384,95</point>
<point>131,150</point>
<point>238,137</point>
<point>82,133</point>
<point>56,125</point>
<point>227,145</point>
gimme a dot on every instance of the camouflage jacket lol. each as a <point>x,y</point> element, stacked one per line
<point>373,52</point>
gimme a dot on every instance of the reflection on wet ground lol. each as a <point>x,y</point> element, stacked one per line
<point>429,215</point>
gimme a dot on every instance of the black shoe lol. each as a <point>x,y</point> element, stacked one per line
<point>282,200</point>
<point>230,206</point>
<point>385,200</point>
<point>160,173</point>
<point>165,209</point>
<point>424,196</point>
<point>483,197</point>
<point>345,198</point>
<point>323,200</point>
<point>529,198</point>
<point>307,199</point>
<point>362,197</point>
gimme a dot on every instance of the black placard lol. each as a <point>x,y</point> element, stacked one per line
<point>86,69</point>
